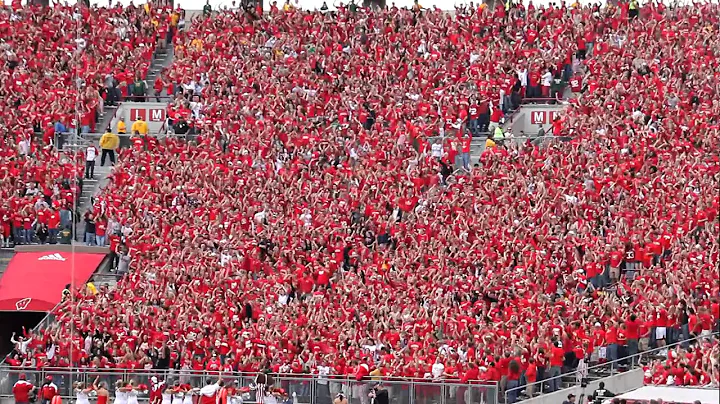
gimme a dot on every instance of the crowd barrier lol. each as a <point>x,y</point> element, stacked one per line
<point>308,389</point>
<point>581,375</point>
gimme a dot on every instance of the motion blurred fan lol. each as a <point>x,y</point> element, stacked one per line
<point>374,3</point>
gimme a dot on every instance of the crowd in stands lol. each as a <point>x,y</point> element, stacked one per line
<point>308,226</point>
<point>87,59</point>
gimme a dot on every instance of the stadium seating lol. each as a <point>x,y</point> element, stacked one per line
<point>101,50</point>
<point>307,222</point>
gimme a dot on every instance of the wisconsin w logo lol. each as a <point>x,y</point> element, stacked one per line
<point>23,304</point>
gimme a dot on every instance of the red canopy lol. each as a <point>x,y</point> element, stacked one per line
<point>34,281</point>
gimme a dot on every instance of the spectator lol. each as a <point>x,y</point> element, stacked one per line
<point>121,127</point>
<point>570,399</point>
<point>90,156</point>
<point>90,229</point>
<point>557,355</point>
<point>531,377</point>
<point>123,261</point>
<point>361,210</point>
<point>513,380</point>
<point>22,390</point>
<point>48,391</point>
<point>42,233</point>
<point>600,394</point>
<point>108,143</point>
<point>379,394</point>
<point>139,89</point>
<point>139,127</point>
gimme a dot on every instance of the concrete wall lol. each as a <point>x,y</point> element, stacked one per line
<point>62,248</point>
<point>618,384</point>
<point>154,113</point>
<point>530,117</point>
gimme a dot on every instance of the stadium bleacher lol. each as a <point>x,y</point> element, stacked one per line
<point>302,219</point>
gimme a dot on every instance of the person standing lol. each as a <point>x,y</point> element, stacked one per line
<point>570,399</point>
<point>530,377</point>
<point>90,229</point>
<point>140,127</point>
<point>90,156</point>
<point>139,89</point>
<point>513,381</point>
<point>632,331</point>
<point>101,231</point>
<point>379,394</point>
<point>208,394</point>
<point>121,126</point>
<point>108,143</point>
<point>53,226</point>
<point>601,393</point>
<point>22,389</point>
<point>340,399</point>
<point>103,395</point>
<point>557,355</point>
<point>48,391</point>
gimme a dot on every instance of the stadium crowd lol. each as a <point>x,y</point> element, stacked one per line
<point>308,227</point>
<point>87,58</point>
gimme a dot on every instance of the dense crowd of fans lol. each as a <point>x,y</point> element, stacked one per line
<point>308,225</point>
<point>87,58</point>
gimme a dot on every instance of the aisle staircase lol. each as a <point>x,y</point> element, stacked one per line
<point>6,255</point>
<point>91,187</point>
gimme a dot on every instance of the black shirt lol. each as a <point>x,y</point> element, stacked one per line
<point>89,226</point>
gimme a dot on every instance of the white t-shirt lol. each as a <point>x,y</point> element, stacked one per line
<point>323,372</point>
<point>547,79</point>
<point>437,150</point>
<point>90,153</point>
<point>210,390</point>
<point>437,370</point>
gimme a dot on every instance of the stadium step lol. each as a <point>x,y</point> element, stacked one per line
<point>6,255</point>
<point>163,58</point>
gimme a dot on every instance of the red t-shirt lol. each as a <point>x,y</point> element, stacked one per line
<point>557,356</point>
<point>632,329</point>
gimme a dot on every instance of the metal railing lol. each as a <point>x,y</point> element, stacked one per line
<point>311,389</point>
<point>604,369</point>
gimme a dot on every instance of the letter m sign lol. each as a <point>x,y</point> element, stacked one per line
<point>537,117</point>
<point>157,115</point>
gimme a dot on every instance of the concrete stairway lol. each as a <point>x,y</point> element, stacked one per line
<point>163,59</point>
<point>92,187</point>
<point>6,255</point>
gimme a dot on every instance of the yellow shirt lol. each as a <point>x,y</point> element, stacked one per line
<point>122,128</point>
<point>376,374</point>
<point>197,43</point>
<point>140,127</point>
<point>109,141</point>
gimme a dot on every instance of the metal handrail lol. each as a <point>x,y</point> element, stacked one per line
<point>611,364</point>
<point>234,374</point>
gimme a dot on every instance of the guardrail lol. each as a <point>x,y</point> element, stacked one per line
<point>605,369</point>
<point>310,389</point>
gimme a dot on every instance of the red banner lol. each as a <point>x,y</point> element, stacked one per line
<point>34,281</point>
